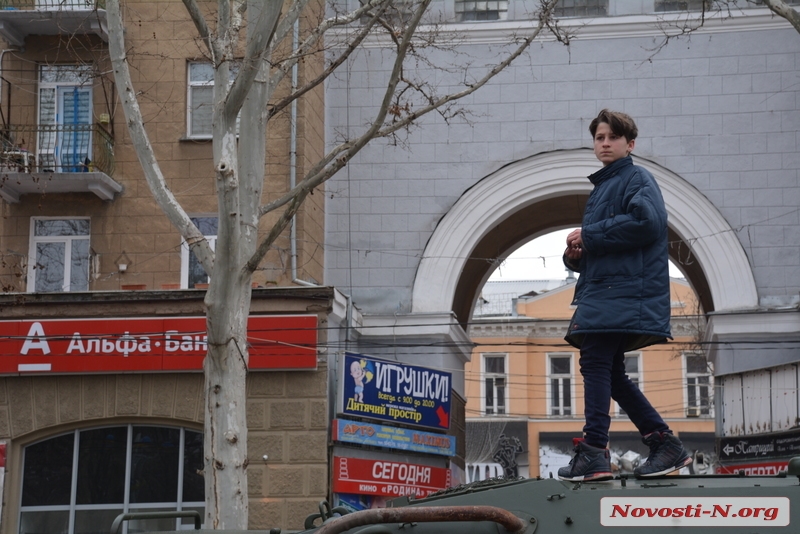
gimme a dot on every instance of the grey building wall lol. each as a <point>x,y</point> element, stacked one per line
<point>719,109</point>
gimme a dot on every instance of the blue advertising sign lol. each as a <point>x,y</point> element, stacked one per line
<point>393,437</point>
<point>397,392</point>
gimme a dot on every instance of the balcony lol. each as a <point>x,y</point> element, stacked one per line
<point>21,18</point>
<point>69,158</point>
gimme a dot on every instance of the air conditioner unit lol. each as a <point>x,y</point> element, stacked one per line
<point>16,160</point>
<point>693,411</point>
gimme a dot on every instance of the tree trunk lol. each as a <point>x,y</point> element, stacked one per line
<point>225,366</point>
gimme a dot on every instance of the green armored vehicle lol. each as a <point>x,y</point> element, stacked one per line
<point>685,504</point>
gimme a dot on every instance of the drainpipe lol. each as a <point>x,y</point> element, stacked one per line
<point>293,182</point>
<point>293,160</point>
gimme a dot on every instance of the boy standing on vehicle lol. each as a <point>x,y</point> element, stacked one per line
<point>622,299</point>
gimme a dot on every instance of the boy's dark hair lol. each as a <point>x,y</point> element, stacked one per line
<point>620,123</point>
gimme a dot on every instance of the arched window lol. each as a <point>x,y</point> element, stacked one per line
<point>77,483</point>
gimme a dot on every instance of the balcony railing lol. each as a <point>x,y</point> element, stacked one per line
<point>57,148</point>
<point>52,5</point>
<point>22,18</point>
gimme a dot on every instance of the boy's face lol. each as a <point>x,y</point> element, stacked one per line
<point>608,146</point>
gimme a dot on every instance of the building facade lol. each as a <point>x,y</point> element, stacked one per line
<point>415,228</point>
<point>524,384</point>
<point>102,315</point>
<point>101,312</point>
<point>407,233</point>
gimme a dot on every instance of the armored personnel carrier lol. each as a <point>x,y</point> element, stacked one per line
<point>685,504</point>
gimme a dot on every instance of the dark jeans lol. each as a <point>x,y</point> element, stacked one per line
<point>603,369</point>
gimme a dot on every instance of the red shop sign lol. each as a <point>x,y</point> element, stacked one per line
<point>759,469</point>
<point>148,344</point>
<point>387,478</point>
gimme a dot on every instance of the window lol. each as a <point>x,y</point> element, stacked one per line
<point>201,97</point>
<point>397,13</point>
<point>560,384</point>
<point>469,11</point>
<point>662,6</point>
<point>59,255</point>
<point>633,370</point>
<point>65,118</point>
<point>77,483</point>
<point>495,383</point>
<point>699,386</point>
<point>192,273</point>
<point>581,8</point>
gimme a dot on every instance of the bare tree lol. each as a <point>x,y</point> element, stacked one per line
<point>261,28</point>
<point>782,9</point>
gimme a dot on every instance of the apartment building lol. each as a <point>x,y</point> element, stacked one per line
<point>101,311</point>
<point>524,388</point>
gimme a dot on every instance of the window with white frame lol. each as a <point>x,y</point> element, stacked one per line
<point>470,11</point>
<point>59,255</point>
<point>699,386</point>
<point>201,97</point>
<point>581,8</point>
<point>495,384</point>
<point>78,482</point>
<point>633,366</point>
<point>559,371</point>
<point>192,272</point>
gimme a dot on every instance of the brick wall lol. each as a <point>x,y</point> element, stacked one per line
<point>286,413</point>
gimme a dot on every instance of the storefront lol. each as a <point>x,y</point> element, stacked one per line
<point>101,406</point>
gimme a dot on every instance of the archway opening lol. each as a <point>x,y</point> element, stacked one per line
<point>541,218</point>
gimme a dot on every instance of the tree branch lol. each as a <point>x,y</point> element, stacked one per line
<point>287,22</point>
<point>316,34</point>
<point>276,230</point>
<point>257,42</point>
<point>202,28</point>
<point>340,155</point>
<point>319,173</point>
<point>438,103</point>
<point>351,47</point>
<point>782,9</point>
<point>144,149</point>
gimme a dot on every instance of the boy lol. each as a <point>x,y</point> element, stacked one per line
<point>622,299</point>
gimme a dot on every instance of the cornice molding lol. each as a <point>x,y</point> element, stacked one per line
<point>442,325</point>
<point>682,327</point>
<point>506,32</point>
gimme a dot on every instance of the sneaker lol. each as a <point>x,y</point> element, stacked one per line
<point>590,464</point>
<point>666,455</point>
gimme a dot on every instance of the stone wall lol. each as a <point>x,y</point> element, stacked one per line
<point>287,419</point>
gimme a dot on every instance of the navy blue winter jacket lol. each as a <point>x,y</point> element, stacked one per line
<point>624,269</point>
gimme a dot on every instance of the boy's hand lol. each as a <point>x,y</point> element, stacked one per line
<point>574,245</point>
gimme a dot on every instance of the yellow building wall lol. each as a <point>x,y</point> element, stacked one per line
<point>539,330</point>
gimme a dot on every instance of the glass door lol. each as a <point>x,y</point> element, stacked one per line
<point>73,139</point>
<point>65,118</point>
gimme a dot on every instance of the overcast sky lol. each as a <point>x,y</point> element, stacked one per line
<point>540,259</point>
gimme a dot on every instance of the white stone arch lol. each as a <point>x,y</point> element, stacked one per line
<point>691,215</point>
